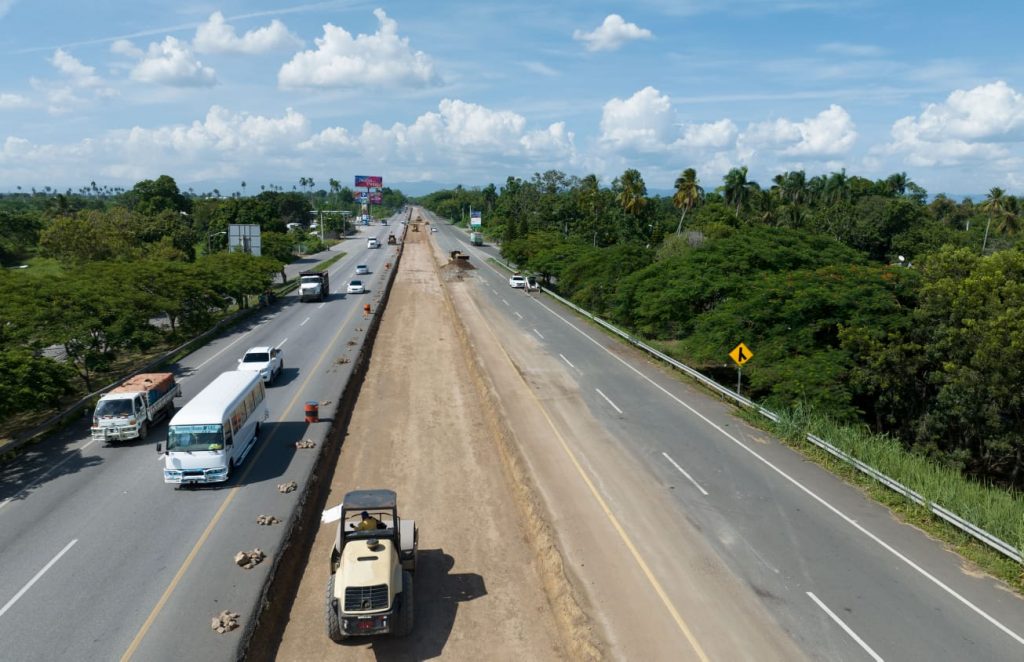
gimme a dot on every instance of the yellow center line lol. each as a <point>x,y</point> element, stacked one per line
<point>223,507</point>
<point>680,622</point>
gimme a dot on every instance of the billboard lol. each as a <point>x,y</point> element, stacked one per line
<point>475,219</point>
<point>376,199</point>
<point>369,181</point>
<point>244,238</point>
<point>361,196</point>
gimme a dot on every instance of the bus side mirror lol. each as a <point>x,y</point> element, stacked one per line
<point>159,448</point>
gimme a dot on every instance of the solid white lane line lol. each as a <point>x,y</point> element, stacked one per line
<point>538,334</point>
<point>281,344</point>
<point>321,305</point>
<point>504,302</point>
<point>495,291</point>
<point>304,322</point>
<point>45,474</point>
<point>875,656</point>
<point>886,546</point>
<point>199,367</point>
<point>567,361</point>
<point>26,587</point>
<point>683,471</point>
<point>608,400</point>
<point>517,314</point>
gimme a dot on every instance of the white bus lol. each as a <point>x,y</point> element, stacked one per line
<point>215,430</point>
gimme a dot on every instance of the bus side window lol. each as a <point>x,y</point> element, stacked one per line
<point>227,433</point>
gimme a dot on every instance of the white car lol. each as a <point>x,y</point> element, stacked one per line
<point>356,287</point>
<point>372,243</point>
<point>268,361</point>
<point>517,281</point>
<point>362,270</point>
<point>433,229</point>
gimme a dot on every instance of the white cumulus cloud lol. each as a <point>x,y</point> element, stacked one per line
<point>79,74</point>
<point>611,34</point>
<point>341,60</point>
<point>642,122</point>
<point>975,124</point>
<point>220,131</point>
<point>217,36</point>
<point>170,62</point>
<point>460,135</point>
<point>712,134</point>
<point>830,133</point>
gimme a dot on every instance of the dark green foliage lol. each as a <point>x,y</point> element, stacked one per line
<point>19,234</point>
<point>29,382</point>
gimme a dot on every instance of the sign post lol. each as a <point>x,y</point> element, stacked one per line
<point>374,183</point>
<point>740,355</point>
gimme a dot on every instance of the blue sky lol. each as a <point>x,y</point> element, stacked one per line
<point>430,94</point>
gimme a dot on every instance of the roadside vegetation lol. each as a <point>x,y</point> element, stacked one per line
<point>86,273</point>
<point>895,318</point>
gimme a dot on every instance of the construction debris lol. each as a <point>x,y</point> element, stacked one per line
<point>225,622</point>
<point>305,443</point>
<point>285,488</point>
<point>267,520</point>
<point>249,560</point>
<point>343,360</point>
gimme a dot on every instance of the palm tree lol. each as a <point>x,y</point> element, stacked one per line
<point>736,189</point>
<point>794,187</point>
<point>837,187</point>
<point>994,205</point>
<point>688,194</point>
<point>897,183</point>
<point>632,192</point>
<point>243,188</point>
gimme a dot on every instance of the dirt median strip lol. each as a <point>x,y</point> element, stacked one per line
<point>421,427</point>
<point>577,630</point>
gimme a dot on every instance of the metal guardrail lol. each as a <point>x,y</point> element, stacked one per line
<point>950,517</point>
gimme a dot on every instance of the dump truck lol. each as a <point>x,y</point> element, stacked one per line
<point>391,239</point>
<point>313,285</point>
<point>129,410</point>
<point>476,238</point>
<point>370,590</point>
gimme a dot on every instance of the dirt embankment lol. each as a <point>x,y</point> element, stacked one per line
<point>423,427</point>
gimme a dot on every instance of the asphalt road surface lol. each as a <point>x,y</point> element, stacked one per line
<point>101,560</point>
<point>713,517</point>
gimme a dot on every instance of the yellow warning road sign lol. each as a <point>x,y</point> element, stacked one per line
<point>741,354</point>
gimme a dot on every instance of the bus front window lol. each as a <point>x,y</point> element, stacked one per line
<point>195,438</point>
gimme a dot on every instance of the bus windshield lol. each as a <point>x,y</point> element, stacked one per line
<point>195,438</point>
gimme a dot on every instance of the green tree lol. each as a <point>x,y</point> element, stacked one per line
<point>151,196</point>
<point>994,206</point>
<point>688,194</point>
<point>736,189</point>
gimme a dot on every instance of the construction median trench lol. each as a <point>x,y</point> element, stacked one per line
<point>420,426</point>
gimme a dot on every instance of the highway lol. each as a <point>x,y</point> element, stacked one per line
<point>101,560</point>
<point>718,520</point>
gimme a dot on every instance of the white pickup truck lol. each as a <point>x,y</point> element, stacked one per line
<point>127,411</point>
<point>268,361</point>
